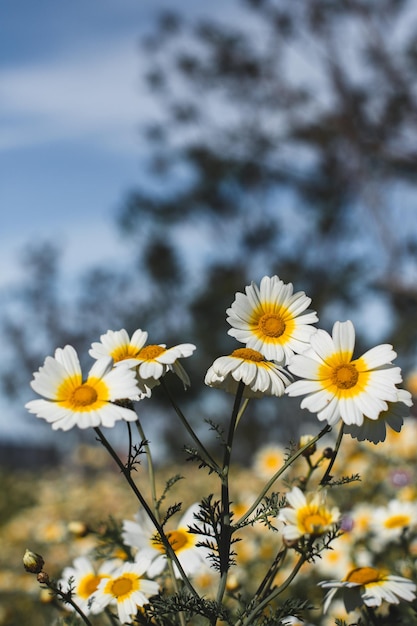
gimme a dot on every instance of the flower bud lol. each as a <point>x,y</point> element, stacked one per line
<point>304,439</point>
<point>328,453</point>
<point>33,562</point>
<point>43,578</point>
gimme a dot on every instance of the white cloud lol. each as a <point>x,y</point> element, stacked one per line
<point>92,93</point>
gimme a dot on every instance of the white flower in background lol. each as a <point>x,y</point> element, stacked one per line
<point>376,430</point>
<point>337,386</point>
<point>84,578</point>
<point>272,319</point>
<point>141,535</point>
<point>268,460</point>
<point>389,522</point>
<point>307,515</point>
<point>261,377</point>
<point>70,401</point>
<point>126,589</point>
<point>151,361</point>
<point>369,586</point>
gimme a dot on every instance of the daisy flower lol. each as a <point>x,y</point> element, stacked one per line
<point>268,460</point>
<point>336,386</point>
<point>151,361</point>
<point>272,319</point>
<point>261,377</point>
<point>127,589</point>
<point>84,578</point>
<point>307,515</point>
<point>389,522</point>
<point>369,586</point>
<point>71,402</point>
<point>376,430</point>
<point>141,535</point>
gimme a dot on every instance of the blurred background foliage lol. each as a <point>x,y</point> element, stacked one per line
<point>285,144</point>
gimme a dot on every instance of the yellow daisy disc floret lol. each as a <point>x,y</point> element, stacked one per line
<point>272,319</point>
<point>337,386</point>
<point>369,586</point>
<point>68,401</point>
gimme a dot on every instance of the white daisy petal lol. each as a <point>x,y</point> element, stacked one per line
<point>271,319</point>
<point>337,387</point>
<point>71,402</point>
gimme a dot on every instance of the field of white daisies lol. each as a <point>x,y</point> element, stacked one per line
<point>318,531</point>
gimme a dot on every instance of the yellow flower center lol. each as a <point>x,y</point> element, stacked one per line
<point>271,325</point>
<point>124,352</point>
<point>179,540</point>
<point>148,353</point>
<point>84,395</point>
<point>123,586</point>
<point>77,396</point>
<point>248,355</point>
<point>363,575</point>
<point>397,521</point>
<point>88,584</point>
<point>314,520</point>
<point>345,376</point>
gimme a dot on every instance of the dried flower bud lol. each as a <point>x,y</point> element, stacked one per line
<point>328,453</point>
<point>33,562</point>
<point>304,439</point>
<point>43,578</point>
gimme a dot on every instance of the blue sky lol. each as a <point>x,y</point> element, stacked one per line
<point>71,102</point>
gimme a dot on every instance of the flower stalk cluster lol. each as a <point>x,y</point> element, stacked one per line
<point>157,577</point>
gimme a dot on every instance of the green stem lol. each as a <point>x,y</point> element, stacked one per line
<point>282,469</point>
<point>242,410</point>
<point>208,458</point>
<point>152,481</point>
<point>168,548</point>
<point>327,477</point>
<point>66,597</point>
<point>151,470</point>
<point>271,596</point>
<point>225,523</point>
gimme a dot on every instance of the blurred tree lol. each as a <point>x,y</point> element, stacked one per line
<point>283,140</point>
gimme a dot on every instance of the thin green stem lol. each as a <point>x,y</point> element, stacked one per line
<point>203,451</point>
<point>277,474</point>
<point>242,410</point>
<point>67,599</point>
<point>152,482</point>
<point>327,477</point>
<point>225,522</point>
<point>272,595</point>
<point>168,548</point>
<point>151,469</point>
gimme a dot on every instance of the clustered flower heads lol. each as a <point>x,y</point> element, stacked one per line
<point>282,353</point>
<point>115,377</point>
